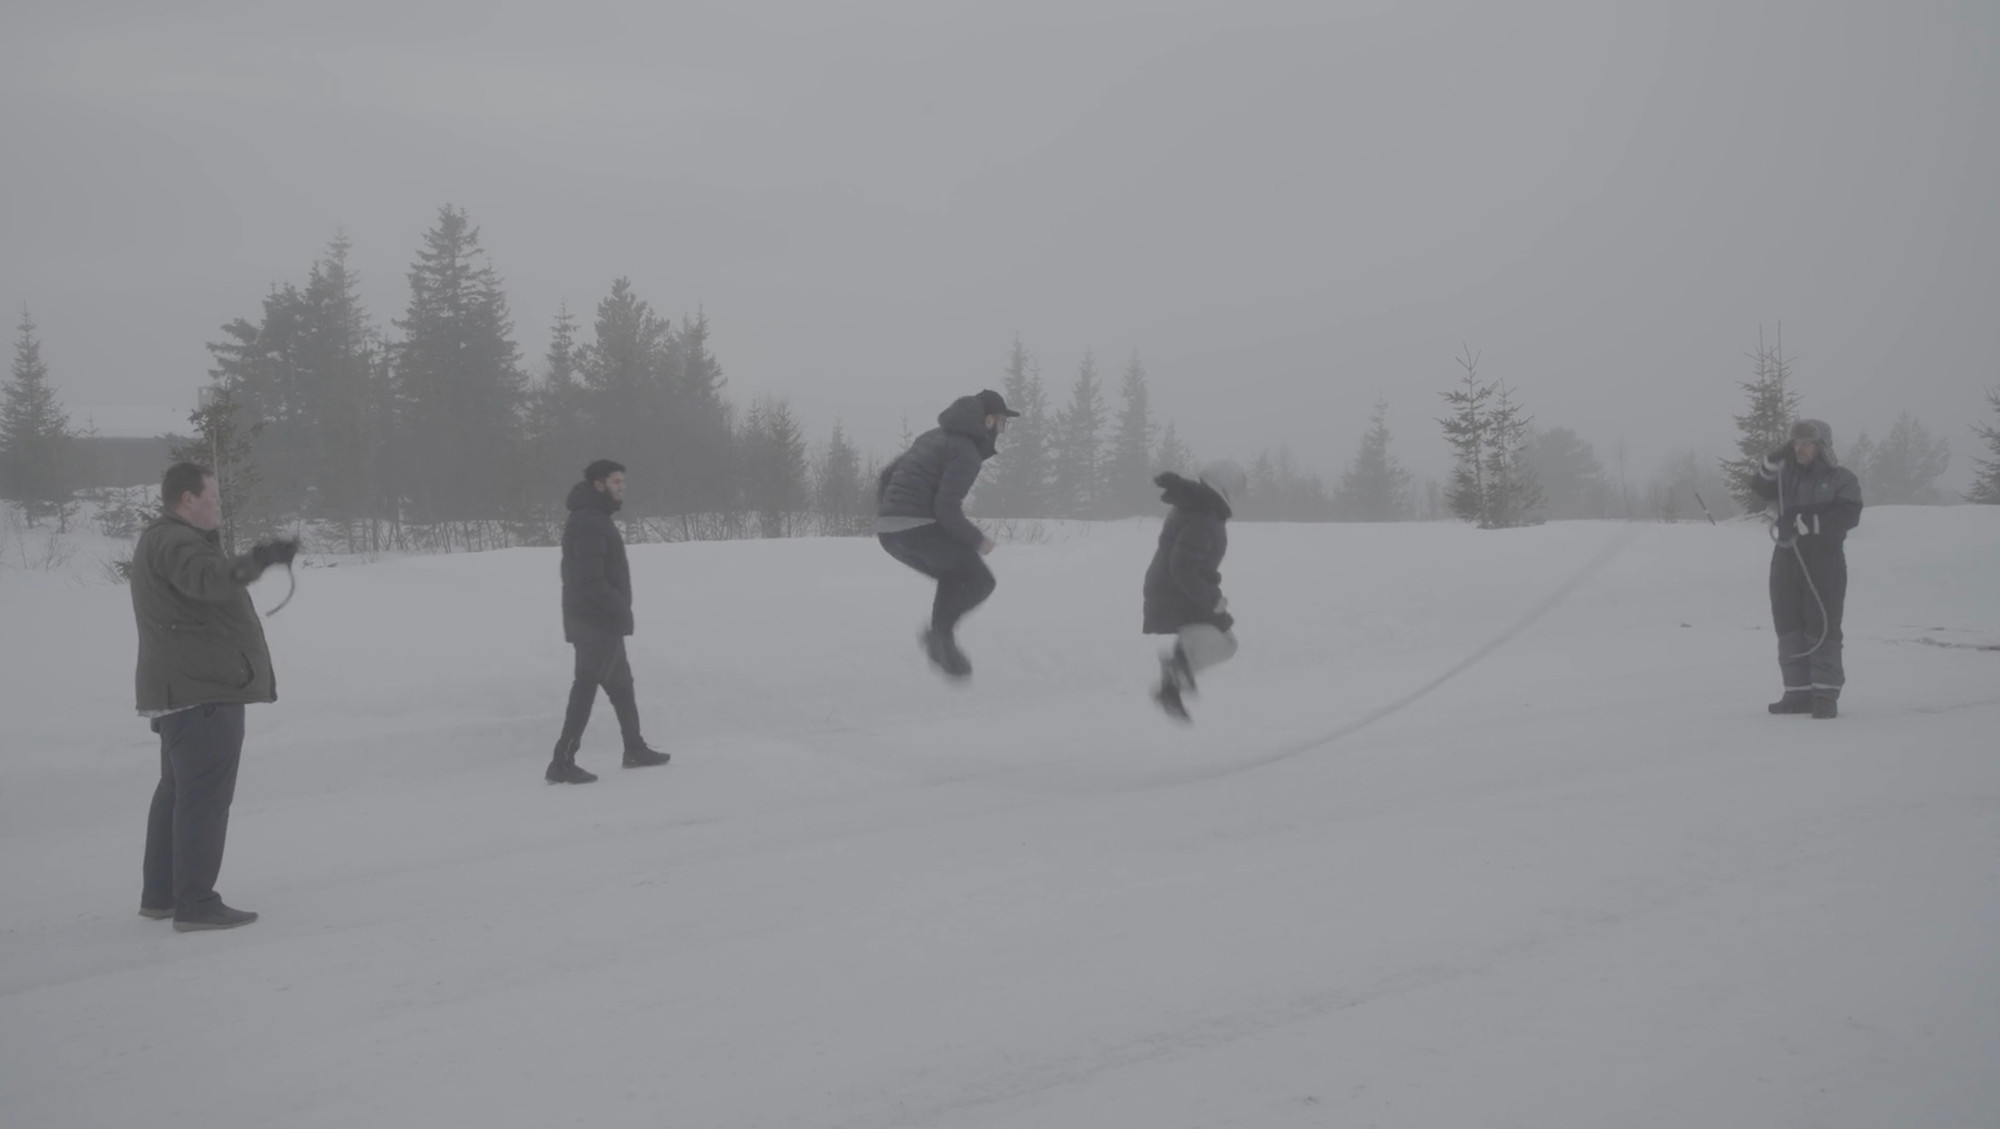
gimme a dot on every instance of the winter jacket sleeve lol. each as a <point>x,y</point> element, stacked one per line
<point>198,571</point>
<point>882,480</point>
<point>1844,512</point>
<point>1765,484</point>
<point>1195,557</point>
<point>961,470</point>
<point>593,576</point>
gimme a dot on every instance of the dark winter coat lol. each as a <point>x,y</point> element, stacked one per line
<point>1826,494</point>
<point>929,481</point>
<point>596,579</point>
<point>1184,582</point>
<point>200,641</point>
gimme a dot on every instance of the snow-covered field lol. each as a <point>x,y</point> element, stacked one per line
<point>1585,882</point>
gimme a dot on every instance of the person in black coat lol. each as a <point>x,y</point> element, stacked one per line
<point>1183,594</point>
<point>920,517</point>
<point>1818,501</point>
<point>597,616</point>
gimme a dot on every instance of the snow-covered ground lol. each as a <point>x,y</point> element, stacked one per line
<point>1585,882</point>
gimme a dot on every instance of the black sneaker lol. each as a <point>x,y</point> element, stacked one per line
<point>643,757</point>
<point>217,916</point>
<point>156,913</point>
<point>1794,701</point>
<point>1825,708</point>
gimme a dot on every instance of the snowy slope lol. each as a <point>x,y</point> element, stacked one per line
<point>1584,882</point>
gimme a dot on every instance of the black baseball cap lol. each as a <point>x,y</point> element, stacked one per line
<point>994,405</point>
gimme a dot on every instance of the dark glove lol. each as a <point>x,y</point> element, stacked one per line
<point>1777,458</point>
<point>279,552</point>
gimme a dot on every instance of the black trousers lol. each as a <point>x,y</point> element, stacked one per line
<point>1796,615</point>
<point>963,579</point>
<point>600,661</point>
<point>199,753</point>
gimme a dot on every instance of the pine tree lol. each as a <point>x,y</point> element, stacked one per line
<point>1767,425</point>
<point>1078,481</point>
<point>1016,483</point>
<point>842,494</point>
<point>1375,486</point>
<point>1904,469</point>
<point>1572,479</point>
<point>263,366</point>
<point>1174,453</point>
<point>1512,493</point>
<point>554,426</point>
<point>774,466</point>
<point>631,388</point>
<point>38,451</point>
<point>698,448</point>
<point>1986,486</point>
<point>459,377</point>
<point>1128,470</point>
<point>1466,431</point>
<point>338,363</point>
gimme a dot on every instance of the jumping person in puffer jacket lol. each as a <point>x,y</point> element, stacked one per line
<point>920,518</point>
<point>1818,501</point>
<point>1183,594</point>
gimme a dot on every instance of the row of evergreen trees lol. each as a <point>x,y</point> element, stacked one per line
<point>438,432</point>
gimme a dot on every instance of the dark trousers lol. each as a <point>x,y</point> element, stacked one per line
<point>1796,615</point>
<point>199,752</point>
<point>600,661</point>
<point>963,580</point>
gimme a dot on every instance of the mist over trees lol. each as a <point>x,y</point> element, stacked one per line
<point>434,432</point>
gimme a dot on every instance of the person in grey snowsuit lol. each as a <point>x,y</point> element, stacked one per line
<point>1183,592</point>
<point>202,658</point>
<point>1818,501</point>
<point>920,517</point>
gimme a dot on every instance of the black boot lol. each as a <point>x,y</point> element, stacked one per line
<point>942,650</point>
<point>1794,701</point>
<point>1168,693</point>
<point>563,768</point>
<point>625,702</point>
<point>1825,707</point>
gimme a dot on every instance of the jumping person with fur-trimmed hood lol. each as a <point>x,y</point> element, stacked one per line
<point>1183,594</point>
<point>1818,501</point>
<point>920,518</point>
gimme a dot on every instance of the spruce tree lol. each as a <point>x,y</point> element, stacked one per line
<point>458,374</point>
<point>338,363</point>
<point>774,466</point>
<point>1767,425</point>
<point>1375,486</point>
<point>1016,483</point>
<point>38,450</point>
<point>1904,469</point>
<point>1512,492</point>
<point>1985,489</point>
<point>1128,477</point>
<point>1078,479</point>
<point>1174,453</point>
<point>1466,431</point>
<point>843,496</point>
<point>1572,479</point>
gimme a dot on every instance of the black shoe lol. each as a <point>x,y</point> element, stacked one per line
<point>944,654</point>
<point>217,916</point>
<point>1794,701</point>
<point>643,757</point>
<point>156,913</point>
<point>1168,695</point>
<point>1825,707</point>
<point>568,772</point>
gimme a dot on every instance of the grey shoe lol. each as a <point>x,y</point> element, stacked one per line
<point>217,916</point>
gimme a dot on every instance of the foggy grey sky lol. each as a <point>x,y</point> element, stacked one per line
<point>1287,208</point>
